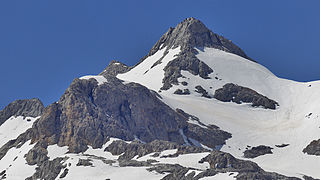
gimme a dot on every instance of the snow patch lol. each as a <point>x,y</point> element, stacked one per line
<point>55,151</point>
<point>100,79</point>
<point>220,176</point>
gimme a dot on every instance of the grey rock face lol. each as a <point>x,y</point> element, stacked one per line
<point>48,170</point>
<point>114,68</point>
<point>313,148</point>
<point>87,114</point>
<point>257,151</point>
<point>26,107</point>
<point>238,94</point>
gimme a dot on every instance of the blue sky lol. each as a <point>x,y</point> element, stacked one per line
<point>44,45</point>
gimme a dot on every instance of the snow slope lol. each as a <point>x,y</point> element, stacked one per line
<point>13,127</point>
<point>100,79</point>
<point>288,124</point>
<point>15,165</point>
<point>147,75</point>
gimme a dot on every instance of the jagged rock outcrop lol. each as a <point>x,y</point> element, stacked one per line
<point>238,94</point>
<point>219,162</point>
<point>128,151</point>
<point>25,107</point>
<point>38,154</point>
<point>257,151</point>
<point>209,135</point>
<point>114,68</point>
<point>87,114</point>
<point>313,148</point>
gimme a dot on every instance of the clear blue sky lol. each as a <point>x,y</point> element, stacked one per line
<point>44,45</point>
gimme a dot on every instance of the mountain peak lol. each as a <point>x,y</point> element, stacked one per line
<point>191,26</point>
<point>192,33</point>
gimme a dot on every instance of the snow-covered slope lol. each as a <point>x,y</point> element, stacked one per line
<point>13,127</point>
<point>294,122</point>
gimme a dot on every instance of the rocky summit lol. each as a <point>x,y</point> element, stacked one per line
<point>195,107</point>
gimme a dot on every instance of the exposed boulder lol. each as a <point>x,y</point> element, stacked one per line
<point>202,91</point>
<point>281,145</point>
<point>238,94</point>
<point>182,92</point>
<point>184,83</point>
<point>84,162</point>
<point>313,148</point>
<point>257,151</point>
<point>25,107</point>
